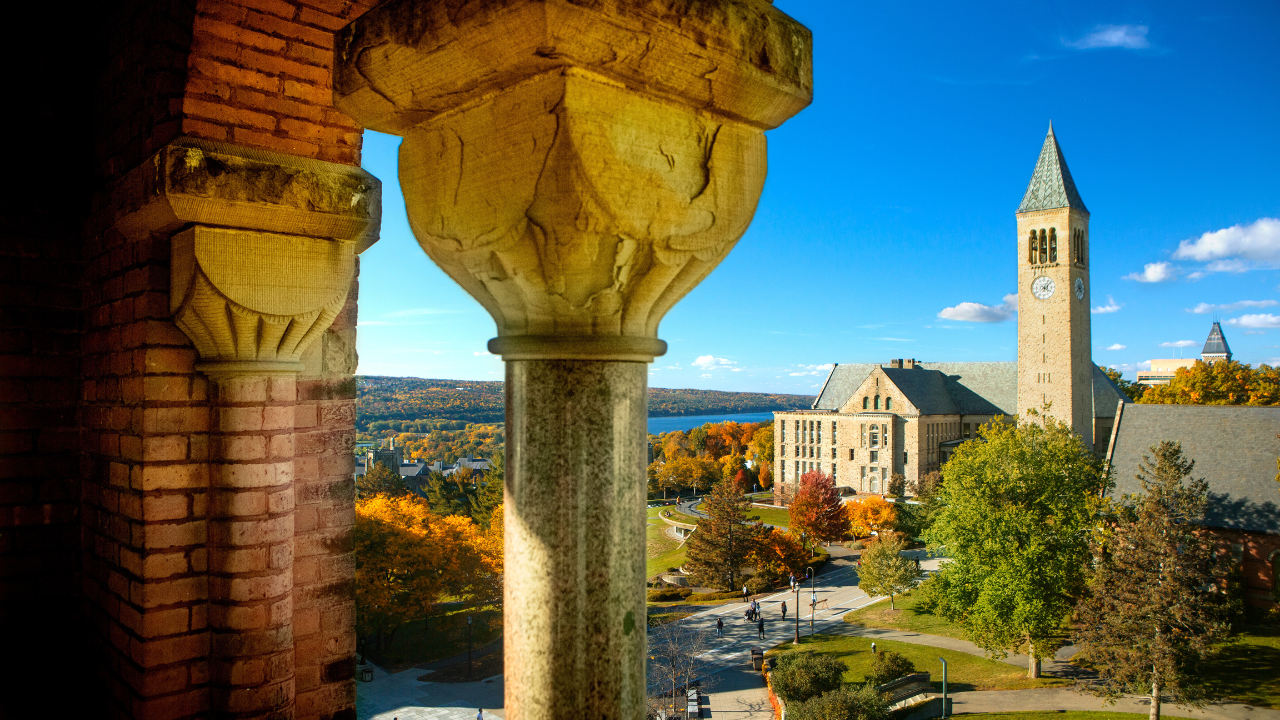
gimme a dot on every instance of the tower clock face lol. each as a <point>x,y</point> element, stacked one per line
<point>1079,288</point>
<point>1043,287</point>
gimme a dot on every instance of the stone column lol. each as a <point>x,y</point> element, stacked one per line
<point>263,251</point>
<point>577,169</point>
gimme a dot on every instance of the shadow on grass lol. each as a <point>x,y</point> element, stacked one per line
<point>1248,671</point>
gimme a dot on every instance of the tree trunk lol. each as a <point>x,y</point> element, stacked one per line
<point>891,607</point>
<point>1155,701</point>
<point>1033,660</point>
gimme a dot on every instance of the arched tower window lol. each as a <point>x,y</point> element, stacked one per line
<point>1044,247</point>
<point>888,403</point>
<point>1053,245</point>
<point>877,402</point>
<point>1033,248</point>
<point>865,402</point>
<point>875,436</point>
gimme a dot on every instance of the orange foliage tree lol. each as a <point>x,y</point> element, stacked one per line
<point>1222,383</point>
<point>869,514</point>
<point>407,558</point>
<point>777,554</point>
<point>816,510</point>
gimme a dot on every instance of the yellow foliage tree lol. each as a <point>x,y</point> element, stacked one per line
<point>778,554</point>
<point>407,559</point>
<point>870,514</point>
<point>1222,383</point>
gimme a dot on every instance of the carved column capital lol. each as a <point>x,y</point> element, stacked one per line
<point>577,169</point>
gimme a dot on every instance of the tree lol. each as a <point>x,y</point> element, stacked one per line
<point>888,666</point>
<point>761,448</point>
<point>698,440</point>
<point>1017,511</point>
<point>689,472</point>
<point>1155,606</point>
<point>675,445</point>
<point>1225,382</point>
<point>489,491</point>
<point>1134,390</point>
<point>447,497</point>
<point>777,554</point>
<point>766,476</point>
<point>718,549</point>
<point>381,480</point>
<point>846,702</point>
<point>675,652</point>
<point>407,558</point>
<point>816,511</point>
<point>897,486</point>
<point>731,465</point>
<point>800,676</point>
<point>868,515</point>
<point>885,571</point>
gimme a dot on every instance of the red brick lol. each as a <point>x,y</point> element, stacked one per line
<point>240,560</point>
<point>165,507</point>
<point>151,653</point>
<point>173,477</point>
<point>160,448</point>
<point>198,85</point>
<point>162,565</point>
<point>275,7</point>
<point>170,360</point>
<point>239,35</point>
<point>317,95</point>
<point>176,535</point>
<point>171,592</point>
<point>289,29</point>
<point>232,75</point>
<point>189,704</point>
<point>329,22</point>
<point>244,136</point>
<point>278,105</point>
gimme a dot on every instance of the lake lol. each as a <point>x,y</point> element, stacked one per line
<point>659,425</point>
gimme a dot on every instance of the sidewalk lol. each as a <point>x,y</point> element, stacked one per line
<point>1001,701</point>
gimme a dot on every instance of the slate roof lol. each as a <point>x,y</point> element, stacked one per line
<point>1051,184</point>
<point>1216,344</point>
<point>1235,450</point>
<point>962,388</point>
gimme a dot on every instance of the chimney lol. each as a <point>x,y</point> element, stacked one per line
<point>895,363</point>
<point>909,363</point>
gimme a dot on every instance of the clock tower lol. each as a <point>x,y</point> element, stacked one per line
<point>1055,358</point>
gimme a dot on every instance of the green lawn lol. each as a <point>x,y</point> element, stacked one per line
<point>678,516</point>
<point>768,516</point>
<point>662,551</point>
<point>964,671</point>
<point>1056,715</point>
<point>437,638</point>
<point>906,617</point>
<point>1248,670</point>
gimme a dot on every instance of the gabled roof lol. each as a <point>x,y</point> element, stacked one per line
<point>1106,394</point>
<point>925,389</point>
<point>1051,184</point>
<point>981,388</point>
<point>1235,450</point>
<point>842,382</point>
<point>1216,344</point>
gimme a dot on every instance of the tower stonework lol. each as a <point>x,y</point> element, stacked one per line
<point>1055,359</point>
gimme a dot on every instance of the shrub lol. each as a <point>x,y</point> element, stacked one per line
<point>714,596</point>
<point>758,584</point>
<point>843,703</point>
<point>799,676</point>
<point>855,545</point>
<point>817,561</point>
<point>668,594</point>
<point>888,666</point>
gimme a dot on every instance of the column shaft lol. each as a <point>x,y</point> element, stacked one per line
<point>575,539</point>
<point>251,546</point>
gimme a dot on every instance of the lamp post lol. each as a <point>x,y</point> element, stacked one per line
<point>944,686</point>
<point>813,599</point>
<point>809,571</point>
<point>468,647</point>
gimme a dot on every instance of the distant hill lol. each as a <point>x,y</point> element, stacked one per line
<point>481,401</point>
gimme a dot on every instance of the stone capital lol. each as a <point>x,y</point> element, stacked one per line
<point>577,169</point>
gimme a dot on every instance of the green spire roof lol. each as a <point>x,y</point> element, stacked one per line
<point>1051,184</point>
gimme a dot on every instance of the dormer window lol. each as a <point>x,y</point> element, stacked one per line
<point>888,403</point>
<point>877,402</point>
<point>865,402</point>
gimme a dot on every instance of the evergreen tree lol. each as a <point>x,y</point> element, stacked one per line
<point>718,548</point>
<point>381,480</point>
<point>885,571</point>
<point>446,497</point>
<point>1155,606</point>
<point>1017,511</point>
<point>489,492</point>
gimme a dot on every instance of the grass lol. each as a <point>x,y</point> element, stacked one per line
<point>907,617</point>
<point>1248,670</point>
<point>1056,715</point>
<point>768,516</point>
<point>964,671</point>
<point>661,550</point>
<point>678,516</point>
<point>438,637</point>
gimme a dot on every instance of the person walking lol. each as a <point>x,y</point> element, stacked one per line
<point>479,713</point>
<point>745,594</point>
<point>784,610</point>
<point>719,627</point>
<point>760,626</point>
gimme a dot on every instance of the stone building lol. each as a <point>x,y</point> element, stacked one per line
<point>872,421</point>
<point>1164,369</point>
<point>183,218</point>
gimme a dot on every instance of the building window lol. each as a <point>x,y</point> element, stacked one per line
<point>875,437</point>
<point>1033,248</point>
<point>850,453</point>
<point>864,402</point>
<point>888,403</point>
<point>884,474</point>
<point>877,402</point>
<point>819,424</point>
<point>1044,247</point>
<point>904,457</point>
<point>833,453</point>
<point>1053,245</point>
<point>810,451</point>
<point>873,486</point>
<point>782,431</point>
<point>884,432</point>
<point>799,437</point>
<point>833,472</point>
<point>797,471</point>
<point>810,431</point>
<point>833,432</point>
<point>782,450</point>
<point>875,456</point>
<point>782,472</point>
<point>967,428</point>
<point>864,433</point>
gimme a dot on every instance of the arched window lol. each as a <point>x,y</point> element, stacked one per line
<point>888,403</point>
<point>865,402</point>
<point>1053,245</point>
<point>873,486</point>
<point>1044,247</point>
<point>877,402</point>
<point>875,436</point>
<point>1033,248</point>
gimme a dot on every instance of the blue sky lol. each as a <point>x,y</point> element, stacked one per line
<point>890,200</point>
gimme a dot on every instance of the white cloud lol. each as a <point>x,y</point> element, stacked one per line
<point>1179,343</point>
<point>977,312</point>
<point>1154,273</point>
<point>1260,320</point>
<point>1259,241</point>
<point>1228,266</point>
<point>1132,37</point>
<point>706,375</point>
<point>1110,307</point>
<point>1117,346</point>
<point>711,362</point>
<point>1196,275</point>
<point>1207,309</point>
<point>1255,332</point>
<point>1144,365</point>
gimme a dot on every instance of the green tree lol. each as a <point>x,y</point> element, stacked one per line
<point>1017,513</point>
<point>489,491</point>
<point>800,676</point>
<point>846,702</point>
<point>698,440</point>
<point>889,666</point>
<point>885,571</point>
<point>1155,606</point>
<point>1222,383</point>
<point>719,547</point>
<point>381,480</point>
<point>447,497</point>
<point>1134,390</point>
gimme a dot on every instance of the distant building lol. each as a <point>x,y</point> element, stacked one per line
<point>1235,450</point>
<point>1163,369</point>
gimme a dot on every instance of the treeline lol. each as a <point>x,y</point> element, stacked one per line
<point>741,453</point>
<point>390,400</point>
<point>478,441</point>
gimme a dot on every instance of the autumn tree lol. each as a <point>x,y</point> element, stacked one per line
<point>777,554</point>
<point>897,486</point>
<point>1017,511</point>
<point>816,511</point>
<point>675,444</point>
<point>689,472</point>
<point>1135,390</point>
<point>718,549</point>
<point>381,480</point>
<point>407,558</point>
<point>885,570</point>
<point>731,465</point>
<point>1155,606</point>
<point>1225,382</point>
<point>766,476</point>
<point>761,447</point>
<point>869,514</point>
<point>698,440</point>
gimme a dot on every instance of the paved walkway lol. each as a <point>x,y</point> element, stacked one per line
<point>401,696</point>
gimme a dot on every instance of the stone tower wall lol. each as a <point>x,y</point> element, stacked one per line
<point>1054,338</point>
